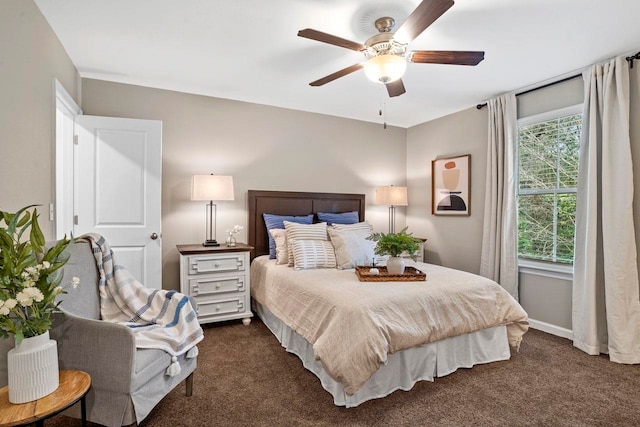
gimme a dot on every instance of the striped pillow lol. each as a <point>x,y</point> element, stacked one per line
<point>357,226</point>
<point>339,218</point>
<point>312,254</point>
<point>276,221</point>
<point>296,231</point>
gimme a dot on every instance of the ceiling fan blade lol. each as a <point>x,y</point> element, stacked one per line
<point>424,15</point>
<point>395,88</point>
<point>337,75</point>
<point>455,57</point>
<point>330,39</point>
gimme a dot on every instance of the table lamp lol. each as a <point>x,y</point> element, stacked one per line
<point>392,196</point>
<point>211,187</point>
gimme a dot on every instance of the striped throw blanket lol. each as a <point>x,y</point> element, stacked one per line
<point>160,319</point>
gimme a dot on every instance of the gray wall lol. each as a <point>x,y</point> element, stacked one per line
<point>31,57</point>
<point>451,241</point>
<point>263,148</point>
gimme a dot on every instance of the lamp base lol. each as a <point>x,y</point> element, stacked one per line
<point>210,243</point>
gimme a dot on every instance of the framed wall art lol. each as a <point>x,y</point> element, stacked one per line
<point>451,186</point>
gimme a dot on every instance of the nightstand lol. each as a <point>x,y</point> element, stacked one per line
<point>420,252</point>
<point>217,277</point>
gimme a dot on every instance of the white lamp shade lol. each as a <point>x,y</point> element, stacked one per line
<point>211,187</point>
<point>391,196</point>
<point>385,68</point>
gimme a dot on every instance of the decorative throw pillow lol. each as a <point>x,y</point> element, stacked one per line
<point>339,218</point>
<point>364,225</point>
<point>277,221</point>
<point>352,247</point>
<point>296,231</point>
<point>312,254</point>
<point>282,252</point>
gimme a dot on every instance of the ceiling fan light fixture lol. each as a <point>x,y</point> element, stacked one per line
<point>385,68</point>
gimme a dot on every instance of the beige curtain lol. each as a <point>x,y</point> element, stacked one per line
<point>606,304</point>
<point>499,258</point>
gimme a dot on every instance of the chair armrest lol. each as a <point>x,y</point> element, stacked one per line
<point>103,349</point>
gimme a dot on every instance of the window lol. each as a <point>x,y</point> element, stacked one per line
<point>548,157</point>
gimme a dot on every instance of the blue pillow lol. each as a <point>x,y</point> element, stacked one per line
<point>277,221</point>
<point>339,218</point>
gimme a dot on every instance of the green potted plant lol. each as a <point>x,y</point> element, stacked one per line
<point>394,245</point>
<point>30,278</point>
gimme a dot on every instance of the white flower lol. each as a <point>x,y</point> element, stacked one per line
<point>57,290</point>
<point>46,264</point>
<point>24,299</point>
<point>235,230</point>
<point>32,271</point>
<point>4,311</point>
<point>10,303</point>
<point>75,281</point>
<point>27,296</point>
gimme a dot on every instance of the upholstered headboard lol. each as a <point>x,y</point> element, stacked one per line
<point>294,203</point>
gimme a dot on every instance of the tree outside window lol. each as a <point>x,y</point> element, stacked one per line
<point>548,161</point>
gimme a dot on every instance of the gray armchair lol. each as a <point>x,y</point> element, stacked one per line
<point>126,383</point>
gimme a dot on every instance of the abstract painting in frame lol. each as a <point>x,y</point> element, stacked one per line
<point>451,186</point>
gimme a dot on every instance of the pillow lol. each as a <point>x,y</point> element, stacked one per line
<point>312,254</point>
<point>339,218</point>
<point>280,237</point>
<point>352,247</point>
<point>276,221</point>
<point>364,225</point>
<point>296,231</point>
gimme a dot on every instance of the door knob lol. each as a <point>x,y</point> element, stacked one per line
<point>154,236</point>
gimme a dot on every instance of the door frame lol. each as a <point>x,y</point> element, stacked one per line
<point>66,112</point>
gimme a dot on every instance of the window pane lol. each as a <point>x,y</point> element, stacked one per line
<point>566,227</point>
<point>568,146</point>
<point>538,155</point>
<point>535,226</point>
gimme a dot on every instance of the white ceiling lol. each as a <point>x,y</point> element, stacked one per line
<point>248,50</point>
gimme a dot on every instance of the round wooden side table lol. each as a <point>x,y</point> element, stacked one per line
<point>74,386</point>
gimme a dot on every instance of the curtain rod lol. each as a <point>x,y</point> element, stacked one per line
<point>629,59</point>
<point>566,79</point>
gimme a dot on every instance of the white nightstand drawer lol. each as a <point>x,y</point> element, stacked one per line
<point>212,285</point>
<point>220,307</point>
<point>214,263</point>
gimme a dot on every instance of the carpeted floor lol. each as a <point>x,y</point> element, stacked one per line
<point>245,378</point>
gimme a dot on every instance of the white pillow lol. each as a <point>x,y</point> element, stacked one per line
<point>297,231</point>
<point>280,237</point>
<point>312,254</point>
<point>364,225</point>
<point>352,247</point>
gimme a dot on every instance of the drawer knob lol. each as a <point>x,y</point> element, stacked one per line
<point>218,286</point>
<point>217,308</point>
<point>216,265</point>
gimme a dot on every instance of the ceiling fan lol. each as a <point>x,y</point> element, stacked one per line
<point>386,52</point>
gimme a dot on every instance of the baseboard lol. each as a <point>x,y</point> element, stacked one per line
<point>551,329</point>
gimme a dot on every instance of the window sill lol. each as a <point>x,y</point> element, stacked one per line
<point>555,271</point>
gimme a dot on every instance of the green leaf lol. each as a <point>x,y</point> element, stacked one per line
<point>37,238</point>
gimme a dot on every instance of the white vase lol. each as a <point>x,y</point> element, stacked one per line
<point>33,369</point>
<point>395,265</point>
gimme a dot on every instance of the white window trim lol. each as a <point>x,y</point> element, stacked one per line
<point>550,115</point>
<point>545,268</point>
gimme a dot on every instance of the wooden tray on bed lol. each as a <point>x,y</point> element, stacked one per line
<point>411,274</point>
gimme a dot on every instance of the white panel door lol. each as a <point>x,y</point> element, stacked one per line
<point>118,169</point>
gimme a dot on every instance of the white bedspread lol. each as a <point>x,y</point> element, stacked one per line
<point>354,325</point>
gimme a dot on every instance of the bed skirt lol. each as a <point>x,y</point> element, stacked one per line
<point>403,369</point>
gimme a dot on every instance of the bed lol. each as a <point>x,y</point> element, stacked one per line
<point>366,340</point>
